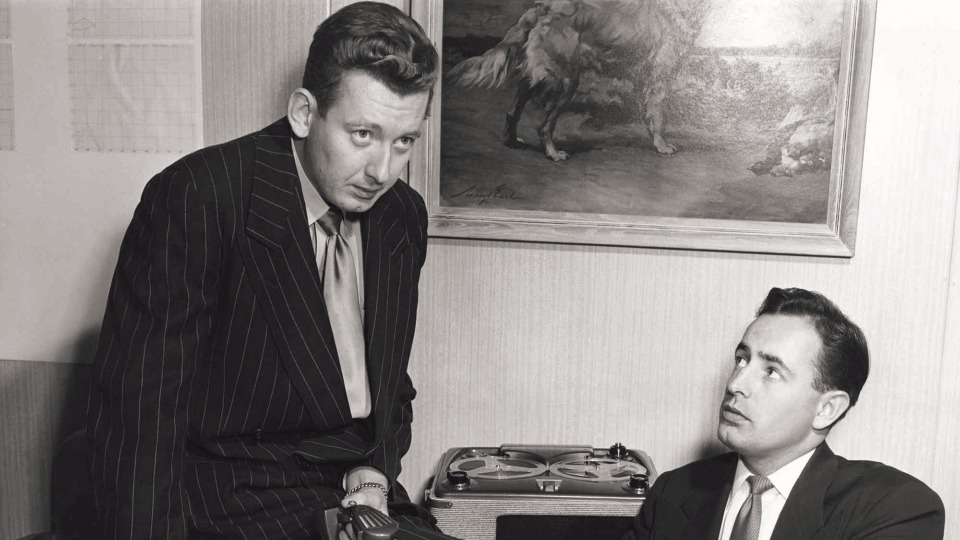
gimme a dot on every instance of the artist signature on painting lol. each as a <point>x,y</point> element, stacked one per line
<point>502,192</point>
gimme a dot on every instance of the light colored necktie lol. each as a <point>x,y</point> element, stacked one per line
<point>343,307</point>
<point>747,524</point>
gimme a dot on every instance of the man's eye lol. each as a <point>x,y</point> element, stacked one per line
<point>404,143</point>
<point>362,135</point>
<point>773,374</point>
<point>740,361</point>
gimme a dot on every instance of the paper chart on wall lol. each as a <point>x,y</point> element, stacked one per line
<point>6,96</point>
<point>133,75</point>
<point>6,78</point>
<point>4,19</point>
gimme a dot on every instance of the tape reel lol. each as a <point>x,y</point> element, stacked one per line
<point>507,465</point>
<point>590,468</point>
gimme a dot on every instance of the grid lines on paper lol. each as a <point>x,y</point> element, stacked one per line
<point>6,96</point>
<point>4,19</point>
<point>130,19</point>
<point>133,97</point>
<point>133,79</point>
<point>6,78</point>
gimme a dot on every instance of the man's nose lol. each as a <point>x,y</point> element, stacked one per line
<point>739,381</point>
<point>378,165</point>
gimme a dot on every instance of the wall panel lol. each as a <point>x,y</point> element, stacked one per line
<point>42,403</point>
<point>946,472</point>
<point>253,56</point>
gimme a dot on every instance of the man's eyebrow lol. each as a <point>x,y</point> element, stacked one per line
<point>377,128</point>
<point>360,124</point>
<point>774,359</point>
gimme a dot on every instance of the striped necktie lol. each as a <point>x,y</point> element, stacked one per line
<point>747,524</point>
<point>343,307</point>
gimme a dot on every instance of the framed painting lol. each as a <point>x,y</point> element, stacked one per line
<point>730,125</point>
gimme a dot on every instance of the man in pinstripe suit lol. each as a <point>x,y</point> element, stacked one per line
<point>219,407</point>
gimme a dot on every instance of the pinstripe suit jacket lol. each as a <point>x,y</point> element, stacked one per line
<point>217,403</point>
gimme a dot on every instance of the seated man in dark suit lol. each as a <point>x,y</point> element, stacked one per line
<point>799,368</point>
<point>252,364</point>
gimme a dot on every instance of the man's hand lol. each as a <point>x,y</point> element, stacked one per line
<point>371,496</point>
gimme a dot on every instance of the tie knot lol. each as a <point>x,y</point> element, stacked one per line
<point>330,222</point>
<point>759,484</point>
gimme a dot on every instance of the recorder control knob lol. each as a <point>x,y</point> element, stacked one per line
<point>638,484</point>
<point>618,451</point>
<point>458,479</point>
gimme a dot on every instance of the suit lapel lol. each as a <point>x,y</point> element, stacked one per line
<point>708,499</point>
<point>802,513</point>
<point>287,282</point>
<point>705,520</point>
<point>384,239</point>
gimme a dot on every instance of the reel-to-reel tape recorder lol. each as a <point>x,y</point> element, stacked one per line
<point>532,492</point>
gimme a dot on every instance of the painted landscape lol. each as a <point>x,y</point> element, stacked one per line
<point>749,111</point>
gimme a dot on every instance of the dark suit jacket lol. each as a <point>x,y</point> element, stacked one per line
<point>833,499</point>
<point>217,393</point>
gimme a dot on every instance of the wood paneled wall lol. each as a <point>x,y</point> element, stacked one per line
<point>253,56</point>
<point>41,403</point>
<point>539,343</point>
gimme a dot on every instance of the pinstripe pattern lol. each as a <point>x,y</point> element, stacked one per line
<point>217,404</point>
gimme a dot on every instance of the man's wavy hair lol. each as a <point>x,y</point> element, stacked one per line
<point>377,39</point>
<point>843,362</point>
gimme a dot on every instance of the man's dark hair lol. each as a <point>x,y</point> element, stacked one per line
<point>843,362</point>
<point>374,38</point>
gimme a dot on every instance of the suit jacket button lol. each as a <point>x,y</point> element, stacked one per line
<point>258,435</point>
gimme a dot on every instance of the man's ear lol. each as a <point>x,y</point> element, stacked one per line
<point>831,407</point>
<point>301,108</point>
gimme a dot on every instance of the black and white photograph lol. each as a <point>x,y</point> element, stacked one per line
<point>479,270</point>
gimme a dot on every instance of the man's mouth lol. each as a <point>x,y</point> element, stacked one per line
<point>732,414</point>
<point>364,193</point>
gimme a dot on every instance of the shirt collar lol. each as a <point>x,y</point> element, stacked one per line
<point>315,205</point>
<point>783,479</point>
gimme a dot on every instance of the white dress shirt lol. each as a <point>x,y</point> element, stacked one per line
<point>772,500</point>
<point>349,228</point>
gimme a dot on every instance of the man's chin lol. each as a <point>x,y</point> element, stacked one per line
<point>728,435</point>
<point>357,205</point>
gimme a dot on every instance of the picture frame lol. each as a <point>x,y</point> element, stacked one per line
<point>723,189</point>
